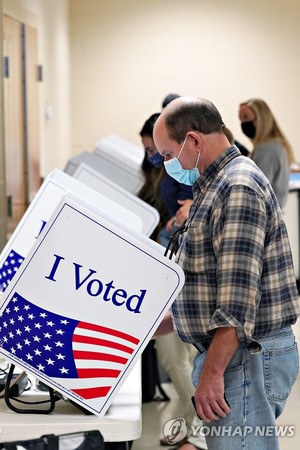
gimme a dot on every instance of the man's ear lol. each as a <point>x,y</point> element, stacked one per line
<point>197,139</point>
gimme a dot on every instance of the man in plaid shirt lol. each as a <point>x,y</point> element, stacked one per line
<point>240,296</point>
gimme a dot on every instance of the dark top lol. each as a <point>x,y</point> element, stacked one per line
<point>171,191</point>
<point>244,151</point>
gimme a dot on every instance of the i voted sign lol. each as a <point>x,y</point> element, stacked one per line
<point>55,186</point>
<point>85,303</point>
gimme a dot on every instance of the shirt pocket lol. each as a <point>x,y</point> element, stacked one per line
<point>196,253</point>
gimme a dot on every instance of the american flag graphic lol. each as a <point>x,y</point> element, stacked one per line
<point>9,268</point>
<point>87,357</point>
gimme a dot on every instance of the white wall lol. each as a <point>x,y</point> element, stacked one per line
<point>127,55</point>
<point>108,64</point>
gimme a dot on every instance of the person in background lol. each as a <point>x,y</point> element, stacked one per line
<point>272,152</point>
<point>240,298</point>
<point>244,151</point>
<point>168,99</point>
<point>160,189</point>
<point>153,171</point>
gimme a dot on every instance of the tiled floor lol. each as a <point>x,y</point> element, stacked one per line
<point>156,414</point>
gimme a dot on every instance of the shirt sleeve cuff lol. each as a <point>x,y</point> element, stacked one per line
<point>224,319</point>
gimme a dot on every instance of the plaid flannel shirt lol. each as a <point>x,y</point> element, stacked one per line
<point>236,256</point>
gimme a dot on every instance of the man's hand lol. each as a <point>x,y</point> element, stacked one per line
<point>209,395</point>
<point>182,213</point>
<point>209,398</point>
<point>170,224</point>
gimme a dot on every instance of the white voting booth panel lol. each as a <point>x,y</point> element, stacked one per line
<point>121,162</point>
<point>55,186</point>
<point>291,218</point>
<point>83,305</point>
<point>97,181</point>
<point>89,158</point>
<point>133,151</point>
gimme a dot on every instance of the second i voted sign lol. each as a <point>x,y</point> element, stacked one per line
<point>85,303</point>
<point>55,186</point>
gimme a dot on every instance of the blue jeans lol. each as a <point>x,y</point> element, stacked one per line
<point>164,237</point>
<point>257,385</point>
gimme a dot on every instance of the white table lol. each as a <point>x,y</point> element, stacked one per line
<point>291,217</point>
<point>122,422</point>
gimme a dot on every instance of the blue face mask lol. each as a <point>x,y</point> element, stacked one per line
<point>176,171</point>
<point>156,160</point>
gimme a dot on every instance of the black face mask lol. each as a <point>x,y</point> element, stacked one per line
<point>249,129</point>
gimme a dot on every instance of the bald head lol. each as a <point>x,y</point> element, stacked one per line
<point>186,114</point>
<point>196,119</point>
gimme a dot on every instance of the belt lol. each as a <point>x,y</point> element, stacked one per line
<point>253,346</point>
<point>202,346</point>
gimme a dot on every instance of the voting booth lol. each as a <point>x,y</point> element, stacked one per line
<point>78,304</point>
<point>83,304</point>
<point>88,158</point>
<point>95,180</point>
<point>121,161</point>
<point>115,158</point>
<point>114,141</point>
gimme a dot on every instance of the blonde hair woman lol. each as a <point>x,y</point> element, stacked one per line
<point>272,152</point>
